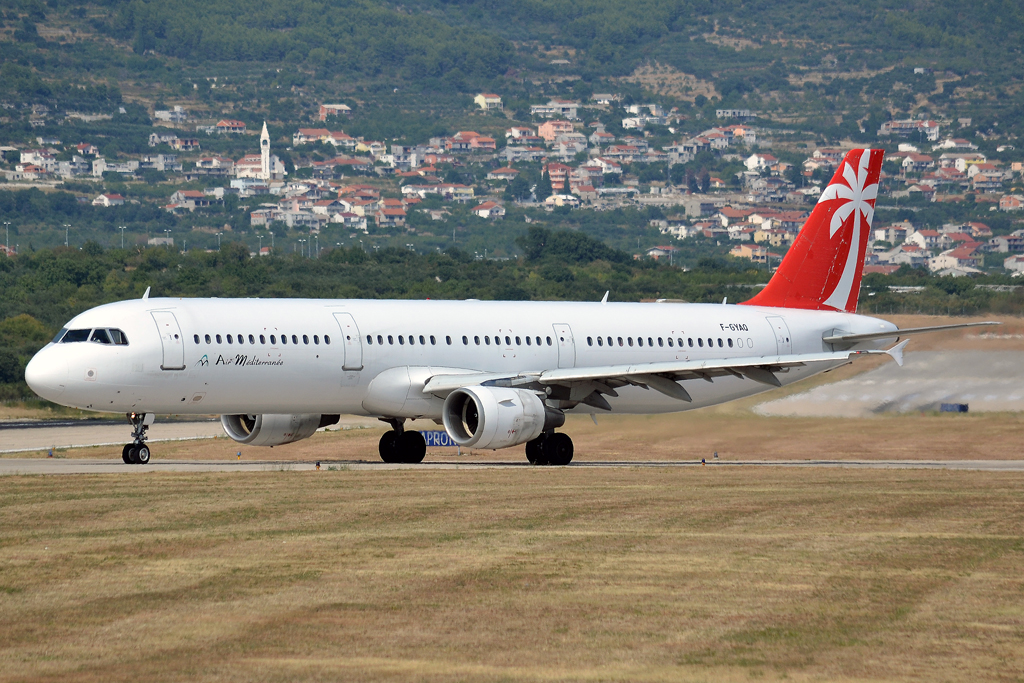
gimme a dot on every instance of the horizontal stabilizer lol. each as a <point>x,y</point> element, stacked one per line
<point>852,338</point>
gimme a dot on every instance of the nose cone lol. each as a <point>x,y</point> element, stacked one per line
<point>47,374</point>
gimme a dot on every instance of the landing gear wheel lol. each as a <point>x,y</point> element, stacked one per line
<point>558,449</point>
<point>133,453</point>
<point>535,451</point>
<point>126,454</point>
<point>388,447</point>
<point>142,454</point>
<point>412,447</point>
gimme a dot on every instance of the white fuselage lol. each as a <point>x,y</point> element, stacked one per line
<point>179,359</point>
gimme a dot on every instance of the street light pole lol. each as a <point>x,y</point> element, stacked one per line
<point>218,240</point>
<point>122,228</point>
<point>66,228</point>
<point>7,243</point>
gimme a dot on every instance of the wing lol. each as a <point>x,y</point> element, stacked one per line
<point>590,384</point>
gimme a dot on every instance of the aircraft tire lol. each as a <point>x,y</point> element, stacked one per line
<point>126,454</point>
<point>535,451</point>
<point>142,454</point>
<point>558,449</point>
<point>388,447</point>
<point>412,447</point>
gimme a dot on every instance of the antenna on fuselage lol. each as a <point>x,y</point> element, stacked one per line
<point>146,293</point>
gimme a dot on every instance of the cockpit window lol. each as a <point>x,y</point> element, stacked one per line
<point>100,336</point>
<point>57,337</point>
<point>75,336</point>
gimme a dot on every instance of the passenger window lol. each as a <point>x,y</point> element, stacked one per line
<point>196,337</point>
<point>518,341</point>
<point>119,337</point>
<point>380,339</point>
<point>711,342</point>
<point>661,342</point>
<point>640,341</point>
<point>465,340</point>
<point>720,344</point>
<point>650,342</point>
<point>538,341</point>
<point>422,340</point>
<point>219,340</point>
<point>252,339</point>
<point>548,340</point>
<point>295,339</point>
<point>327,340</point>
<point>100,337</point>
<point>508,342</point>
<point>487,340</point>
<point>273,340</point>
<point>620,342</point>
<point>316,339</point>
<point>590,341</point>
<point>670,341</point>
<point>739,342</point>
<point>610,341</point>
<point>448,339</point>
<point>433,342</point>
<point>730,342</point>
<point>600,341</point>
<point>630,340</point>
<point>689,341</point>
<point>700,342</point>
<point>263,340</point>
<point>208,340</point>
<point>369,340</point>
<point>391,340</point>
<point>230,341</point>
<point>401,340</point>
<point>528,341</point>
<point>412,340</point>
<point>305,338</point>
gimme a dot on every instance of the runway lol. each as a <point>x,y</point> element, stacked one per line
<point>36,466</point>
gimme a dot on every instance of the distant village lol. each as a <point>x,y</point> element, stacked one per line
<point>759,209</point>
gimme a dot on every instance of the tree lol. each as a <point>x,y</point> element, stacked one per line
<point>543,190</point>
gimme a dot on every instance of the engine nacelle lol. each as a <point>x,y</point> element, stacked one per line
<point>274,430</point>
<point>497,417</point>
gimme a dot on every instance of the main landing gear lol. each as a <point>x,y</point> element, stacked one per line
<point>401,446</point>
<point>136,452</point>
<point>550,448</point>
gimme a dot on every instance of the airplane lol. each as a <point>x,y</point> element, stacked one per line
<point>495,374</point>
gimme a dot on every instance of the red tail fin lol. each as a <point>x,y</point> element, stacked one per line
<point>823,268</point>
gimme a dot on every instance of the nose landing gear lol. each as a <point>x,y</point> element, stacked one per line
<point>137,452</point>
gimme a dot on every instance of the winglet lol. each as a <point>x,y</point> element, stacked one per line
<point>146,293</point>
<point>896,352</point>
<point>604,299</point>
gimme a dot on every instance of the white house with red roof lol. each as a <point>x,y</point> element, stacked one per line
<point>233,126</point>
<point>333,110</point>
<point>757,162</point>
<point>108,200</point>
<point>488,101</point>
<point>508,174</point>
<point>963,257</point>
<point>489,210</point>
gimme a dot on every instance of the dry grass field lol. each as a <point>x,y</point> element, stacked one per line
<point>522,574</point>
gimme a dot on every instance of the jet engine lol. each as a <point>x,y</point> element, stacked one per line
<point>497,417</point>
<point>274,430</point>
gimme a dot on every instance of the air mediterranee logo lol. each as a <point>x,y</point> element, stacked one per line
<point>239,360</point>
<point>857,199</point>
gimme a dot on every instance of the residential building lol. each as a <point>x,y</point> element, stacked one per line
<point>507,174</point>
<point>929,130</point>
<point>231,126</point>
<point>562,200</point>
<point>961,257</point>
<point>108,200</point>
<point>489,210</point>
<point>488,101</point>
<point>333,110</point>
<point>734,114</point>
<point>754,252</point>
<point>550,130</point>
<point>1011,202</point>
<point>175,115</point>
